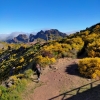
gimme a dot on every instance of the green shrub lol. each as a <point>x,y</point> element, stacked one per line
<point>28,73</point>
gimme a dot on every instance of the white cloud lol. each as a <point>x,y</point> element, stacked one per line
<point>71,32</point>
<point>10,36</point>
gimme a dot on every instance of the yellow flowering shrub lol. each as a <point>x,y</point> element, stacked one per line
<point>90,38</point>
<point>13,78</point>
<point>75,43</point>
<point>14,55</point>
<point>30,60</point>
<point>97,27</point>
<point>20,76</point>
<point>45,60</point>
<point>57,49</point>
<point>52,60</point>
<point>86,33</point>
<point>89,67</point>
<point>21,60</point>
<point>19,67</point>
<point>93,49</point>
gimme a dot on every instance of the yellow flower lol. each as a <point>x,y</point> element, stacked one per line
<point>93,75</point>
<point>21,60</point>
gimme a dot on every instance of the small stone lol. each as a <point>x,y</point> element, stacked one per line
<point>89,79</point>
<point>55,68</point>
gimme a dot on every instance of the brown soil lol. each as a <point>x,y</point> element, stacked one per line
<point>61,82</point>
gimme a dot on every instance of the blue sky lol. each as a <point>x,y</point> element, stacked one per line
<point>35,15</point>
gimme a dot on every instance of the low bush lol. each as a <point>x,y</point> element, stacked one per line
<point>89,67</point>
<point>28,73</point>
<point>43,61</point>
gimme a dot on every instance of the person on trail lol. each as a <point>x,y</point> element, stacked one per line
<point>38,71</point>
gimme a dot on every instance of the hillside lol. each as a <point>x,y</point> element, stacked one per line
<point>91,37</point>
<point>24,56</point>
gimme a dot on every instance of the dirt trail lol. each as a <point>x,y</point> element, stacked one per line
<point>64,77</point>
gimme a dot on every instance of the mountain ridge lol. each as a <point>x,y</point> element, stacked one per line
<point>51,34</point>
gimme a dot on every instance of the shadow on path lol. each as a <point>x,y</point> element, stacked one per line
<point>93,93</point>
<point>72,69</point>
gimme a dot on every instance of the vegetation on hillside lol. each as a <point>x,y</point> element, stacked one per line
<point>24,56</point>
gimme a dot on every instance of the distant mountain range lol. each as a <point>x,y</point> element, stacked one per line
<point>52,34</point>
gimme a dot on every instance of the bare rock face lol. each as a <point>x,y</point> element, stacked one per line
<point>20,38</point>
<point>50,34</point>
<point>31,37</point>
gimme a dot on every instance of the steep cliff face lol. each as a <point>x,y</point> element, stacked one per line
<point>31,37</point>
<point>41,35</point>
